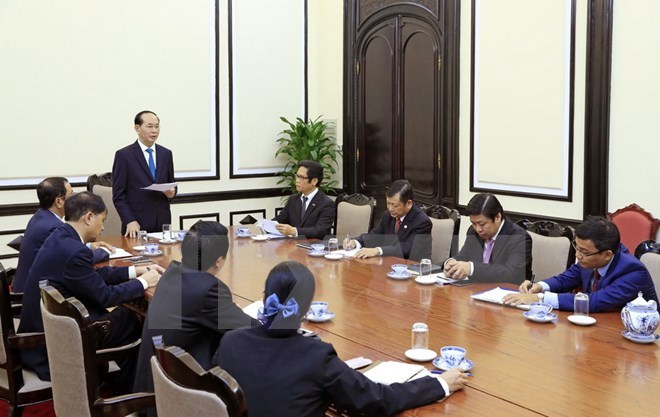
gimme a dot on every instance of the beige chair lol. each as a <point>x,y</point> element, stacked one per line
<point>18,386</point>
<point>75,364</point>
<point>552,252</point>
<point>355,214</point>
<point>652,262</point>
<point>102,185</point>
<point>184,388</point>
<point>446,223</point>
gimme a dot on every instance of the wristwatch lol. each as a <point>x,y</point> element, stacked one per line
<point>541,295</point>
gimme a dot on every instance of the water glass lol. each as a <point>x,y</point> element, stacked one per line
<point>581,304</point>
<point>167,231</point>
<point>143,238</point>
<point>425,267</point>
<point>420,336</point>
<point>333,244</point>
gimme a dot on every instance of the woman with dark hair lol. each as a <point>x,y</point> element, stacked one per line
<point>283,373</point>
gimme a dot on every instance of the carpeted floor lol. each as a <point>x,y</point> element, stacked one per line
<point>39,410</point>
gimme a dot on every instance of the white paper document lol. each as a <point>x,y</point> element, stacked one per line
<point>161,187</point>
<point>390,372</point>
<point>253,308</point>
<point>496,295</point>
<point>348,253</point>
<point>441,278</point>
<point>269,227</point>
<point>119,253</point>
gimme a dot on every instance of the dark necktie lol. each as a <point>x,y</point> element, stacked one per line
<point>152,164</point>
<point>398,225</point>
<point>304,207</point>
<point>594,282</point>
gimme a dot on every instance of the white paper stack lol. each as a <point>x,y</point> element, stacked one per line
<point>496,295</point>
<point>391,372</point>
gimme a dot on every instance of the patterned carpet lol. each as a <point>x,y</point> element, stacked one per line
<point>40,410</point>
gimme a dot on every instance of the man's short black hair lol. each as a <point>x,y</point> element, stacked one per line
<point>138,117</point>
<point>205,242</point>
<point>49,189</point>
<point>403,188</point>
<point>486,204</point>
<point>602,232</point>
<point>78,205</point>
<point>314,170</point>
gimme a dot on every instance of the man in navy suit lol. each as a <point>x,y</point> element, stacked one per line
<point>314,221</point>
<point>66,263</point>
<point>605,270</point>
<point>52,193</point>
<point>495,250</point>
<point>191,308</point>
<point>404,229</point>
<point>140,165</point>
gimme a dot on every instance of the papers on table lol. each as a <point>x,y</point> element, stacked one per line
<point>161,187</point>
<point>253,308</point>
<point>269,227</point>
<point>390,372</point>
<point>119,253</point>
<point>156,235</point>
<point>441,278</point>
<point>347,253</point>
<point>496,295</point>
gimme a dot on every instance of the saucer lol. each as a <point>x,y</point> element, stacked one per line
<point>139,248</point>
<point>326,317</point>
<point>243,236</point>
<point>426,280</point>
<point>167,240</point>
<point>317,254</point>
<point>259,237</point>
<point>420,355</point>
<point>640,339</point>
<point>581,320</point>
<point>334,256</point>
<point>157,253</point>
<point>466,365</point>
<point>403,276</point>
<point>539,319</point>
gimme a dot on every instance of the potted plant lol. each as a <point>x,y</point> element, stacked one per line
<point>307,140</point>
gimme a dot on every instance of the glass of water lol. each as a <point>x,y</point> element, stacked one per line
<point>333,244</point>
<point>167,231</point>
<point>143,238</point>
<point>425,267</point>
<point>581,304</point>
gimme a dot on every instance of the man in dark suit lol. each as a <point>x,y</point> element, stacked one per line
<point>404,229</point>
<point>66,263</point>
<point>52,193</point>
<point>140,165</point>
<point>605,270</point>
<point>191,308</point>
<point>310,213</point>
<point>495,249</point>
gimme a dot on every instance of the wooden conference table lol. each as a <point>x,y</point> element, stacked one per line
<point>522,368</point>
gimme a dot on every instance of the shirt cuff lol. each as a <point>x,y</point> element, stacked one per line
<point>380,251</point>
<point>357,244</point>
<point>132,273</point>
<point>144,283</point>
<point>445,385</point>
<point>471,268</point>
<point>295,234</point>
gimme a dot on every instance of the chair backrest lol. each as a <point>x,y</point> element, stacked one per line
<point>355,214</point>
<point>446,225</point>
<point>112,225</point>
<point>552,252</point>
<point>635,225</point>
<point>72,339</point>
<point>652,262</point>
<point>183,387</point>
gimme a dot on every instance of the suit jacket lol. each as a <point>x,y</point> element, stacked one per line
<point>300,376</point>
<point>625,277</point>
<point>510,260</point>
<point>413,241</point>
<point>318,218</point>
<point>192,310</point>
<point>40,226</point>
<point>130,173</point>
<point>66,263</point>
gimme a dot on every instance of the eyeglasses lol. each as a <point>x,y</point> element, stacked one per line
<point>583,253</point>
<point>300,177</point>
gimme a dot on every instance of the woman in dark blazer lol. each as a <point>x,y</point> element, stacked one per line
<point>283,373</point>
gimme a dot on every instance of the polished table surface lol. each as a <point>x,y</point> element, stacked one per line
<point>521,368</point>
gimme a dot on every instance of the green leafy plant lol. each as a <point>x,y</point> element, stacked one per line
<point>308,140</point>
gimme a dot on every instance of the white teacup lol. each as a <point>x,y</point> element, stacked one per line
<point>318,247</point>
<point>399,268</point>
<point>243,230</point>
<point>452,355</point>
<point>151,248</point>
<point>540,309</point>
<point>318,308</point>
<point>181,234</point>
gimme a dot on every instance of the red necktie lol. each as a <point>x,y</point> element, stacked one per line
<point>594,283</point>
<point>397,226</point>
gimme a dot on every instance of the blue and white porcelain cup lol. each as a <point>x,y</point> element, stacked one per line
<point>243,231</point>
<point>399,269</point>
<point>540,309</point>
<point>318,247</point>
<point>151,248</point>
<point>452,355</point>
<point>318,309</point>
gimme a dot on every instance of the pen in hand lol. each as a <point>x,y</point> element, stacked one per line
<point>531,283</point>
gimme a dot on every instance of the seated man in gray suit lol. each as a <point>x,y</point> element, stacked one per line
<point>309,213</point>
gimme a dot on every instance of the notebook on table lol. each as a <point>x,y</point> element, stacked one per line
<point>496,296</point>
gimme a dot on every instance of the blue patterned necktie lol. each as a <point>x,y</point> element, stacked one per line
<point>152,165</point>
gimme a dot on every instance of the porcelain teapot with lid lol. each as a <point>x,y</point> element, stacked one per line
<point>640,316</point>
